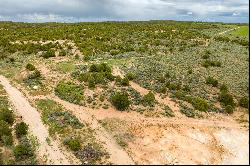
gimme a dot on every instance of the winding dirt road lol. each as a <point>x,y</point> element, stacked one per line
<point>52,153</point>
<point>118,155</point>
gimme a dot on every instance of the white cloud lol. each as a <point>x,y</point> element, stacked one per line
<point>96,10</point>
<point>236,14</point>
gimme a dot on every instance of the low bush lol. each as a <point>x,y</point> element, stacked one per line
<point>208,63</point>
<point>190,71</point>
<point>226,99</point>
<point>7,140</point>
<point>174,86</point>
<point>120,100</point>
<point>91,153</point>
<point>229,109</point>
<point>109,76</point>
<point>212,81</point>
<point>206,54</point>
<point>7,116</point>
<point>30,67</point>
<point>125,81</point>
<point>181,95</point>
<point>118,79</point>
<point>91,82</point>
<point>35,75</point>
<point>244,102</point>
<point>130,76</point>
<point>70,92</point>
<point>103,67</point>
<point>73,144</point>
<point>149,99</point>
<point>21,129</point>
<point>188,112</point>
<point>4,129</point>
<point>223,88</point>
<point>48,54</point>
<point>168,112</point>
<point>23,151</point>
<point>200,104</point>
<point>62,53</point>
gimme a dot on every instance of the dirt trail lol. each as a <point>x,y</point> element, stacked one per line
<point>117,155</point>
<point>30,115</point>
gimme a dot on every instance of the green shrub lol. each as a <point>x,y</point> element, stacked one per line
<point>118,79</point>
<point>163,90</point>
<point>181,95</point>
<point>91,153</point>
<point>22,151</point>
<point>7,116</point>
<point>125,81</point>
<point>212,81</point>
<point>91,82</point>
<point>103,67</point>
<point>84,77</point>
<point>208,63</point>
<point>21,129</point>
<point>120,100</point>
<point>226,99</point>
<point>130,76</point>
<point>174,86</point>
<point>109,76</point>
<point>168,112</point>
<point>200,104</point>
<point>30,67</point>
<point>86,57</point>
<point>149,99</point>
<point>186,88</point>
<point>48,54</point>
<point>190,71</point>
<point>206,56</point>
<point>94,68</point>
<point>229,109</point>
<point>62,53</point>
<point>99,77</point>
<point>102,98</point>
<point>70,92</point>
<point>244,102</point>
<point>77,56</point>
<point>35,75</point>
<point>223,88</point>
<point>188,112</point>
<point>73,144</point>
<point>7,140</point>
<point>4,129</point>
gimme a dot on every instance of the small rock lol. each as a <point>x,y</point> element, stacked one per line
<point>35,87</point>
<point>10,109</point>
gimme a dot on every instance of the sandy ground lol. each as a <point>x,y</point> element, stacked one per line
<point>117,155</point>
<point>52,153</point>
<point>218,139</point>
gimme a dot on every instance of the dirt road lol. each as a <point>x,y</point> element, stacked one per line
<point>31,116</point>
<point>117,155</point>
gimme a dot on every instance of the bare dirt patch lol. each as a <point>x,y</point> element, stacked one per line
<point>30,115</point>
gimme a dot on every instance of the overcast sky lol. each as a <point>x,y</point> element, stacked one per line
<point>103,10</point>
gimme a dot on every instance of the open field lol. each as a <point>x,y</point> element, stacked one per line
<point>157,92</point>
<point>243,31</point>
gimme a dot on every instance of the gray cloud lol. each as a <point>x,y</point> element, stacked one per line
<point>102,10</point>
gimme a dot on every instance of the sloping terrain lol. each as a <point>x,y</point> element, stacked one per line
<point>130,93</point>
